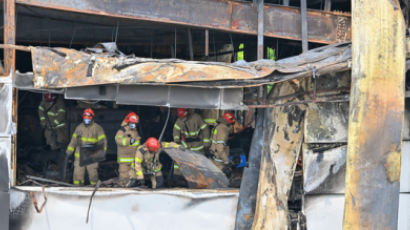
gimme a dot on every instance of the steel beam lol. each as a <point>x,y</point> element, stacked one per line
<point>239,17</point>
<point>9,35</point>
<point>376,115</point>
<point>190,48</point>
<point>328,5</point>
<point>304,26</point>
<point>260,8</point>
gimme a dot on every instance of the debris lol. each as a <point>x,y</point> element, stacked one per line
<point>33,198</point>
<point>48,180</point>
<point>198,170</point>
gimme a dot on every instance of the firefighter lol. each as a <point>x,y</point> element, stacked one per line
<point>191,131</point>
<point>51,112</point>
<point>86,133</point>
<point>210,116</point>
<point>127,139</point>
<point>219,137</point>
<point>147,163</point>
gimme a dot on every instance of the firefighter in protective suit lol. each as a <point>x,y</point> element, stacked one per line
<point>86,133</point>
<point>191,131</point>
<point>147,163</point>
<point>127,139</point>
<point>219,137</point>
<point>51,112</point>
<point>210,116</point>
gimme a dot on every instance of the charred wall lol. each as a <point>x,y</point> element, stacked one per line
<point>6,130</point>
<point>324,164</point>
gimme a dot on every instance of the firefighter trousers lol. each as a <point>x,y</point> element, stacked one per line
<point>55,139</point>
<point>126,173</point>
<point>79,172</point>
<point>157,180</point>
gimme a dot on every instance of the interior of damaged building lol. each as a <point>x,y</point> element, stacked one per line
<point>305,99</point>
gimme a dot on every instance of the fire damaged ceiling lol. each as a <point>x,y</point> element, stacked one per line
<point>64,68</point>
<point>106,74</point>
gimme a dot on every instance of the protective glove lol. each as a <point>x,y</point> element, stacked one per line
<point>140,183</point>
<point>132,183</point>
<point>209,155</point>
<point>227,170</point>
<point>160,181</point>
<point>135,183</point>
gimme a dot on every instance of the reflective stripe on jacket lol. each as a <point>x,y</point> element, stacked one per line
<point>219,139</point>
<point>52,115</point>
<point>144,162</point>
<point>193,128</point>
<point>126,150</point>
<point>91,134</point>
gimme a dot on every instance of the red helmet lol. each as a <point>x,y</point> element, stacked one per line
<point>181,112</point>
<point>132,118</point>
<point>49,97</point>
<point>88,113</point>
<point>229,117</point>
<point>152,144</point>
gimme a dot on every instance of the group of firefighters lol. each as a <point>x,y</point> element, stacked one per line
<point>137,161</point>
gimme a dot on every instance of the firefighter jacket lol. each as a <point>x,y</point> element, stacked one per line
<point>52,114</point>
<point>172,145</point>
<point>210,116</point>
<point>192,133</point>
<point>126,149</point>
<point>219,139</point>
<point>146,162</point>
<point>86,134</point>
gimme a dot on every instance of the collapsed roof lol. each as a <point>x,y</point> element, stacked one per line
<point>104,73</point>
<point>65,68</point>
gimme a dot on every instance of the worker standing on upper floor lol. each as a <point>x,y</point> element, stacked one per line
<point>52,114</point>
<point>191,131</point>
<point>127,139</point>
<point>219,138</point>
<point>147,164</point>
<point>87,135</point>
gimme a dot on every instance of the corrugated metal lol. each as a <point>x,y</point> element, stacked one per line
<point>124,209</point>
